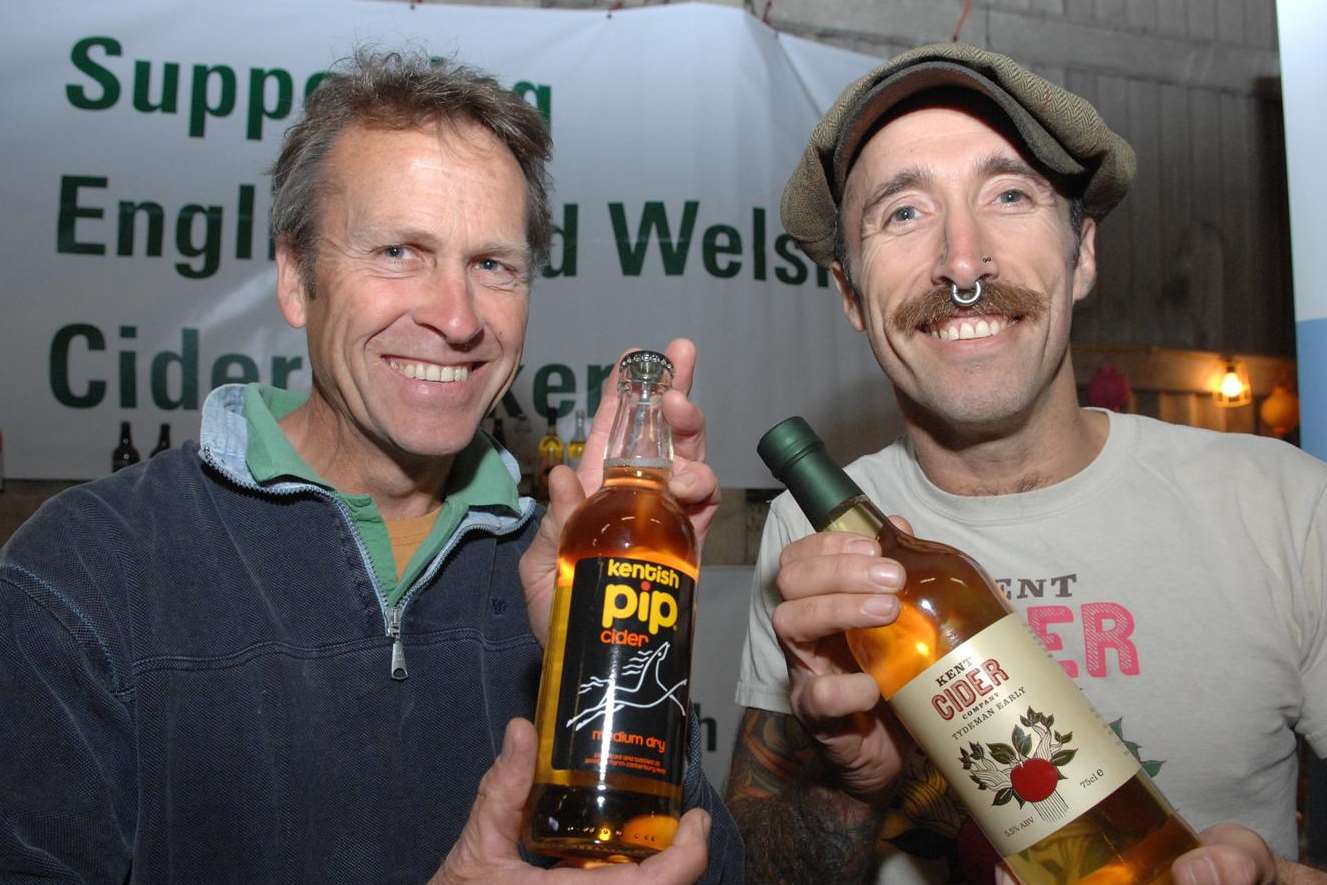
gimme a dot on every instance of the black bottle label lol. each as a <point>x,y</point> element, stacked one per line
<point>622,704</point>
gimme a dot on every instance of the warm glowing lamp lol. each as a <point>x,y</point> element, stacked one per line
<point>1233,388</point>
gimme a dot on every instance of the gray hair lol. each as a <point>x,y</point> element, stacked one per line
<point>394,90</point>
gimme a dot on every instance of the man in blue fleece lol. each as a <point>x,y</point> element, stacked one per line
<point>292,651</point>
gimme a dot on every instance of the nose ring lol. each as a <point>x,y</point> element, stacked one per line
<point>963,297</point>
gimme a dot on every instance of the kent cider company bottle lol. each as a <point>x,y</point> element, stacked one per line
<point>1054,790</point>
<point>613,698</point>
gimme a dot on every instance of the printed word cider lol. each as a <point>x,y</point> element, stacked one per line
<point>613,697</point>
<point>1051,786</point>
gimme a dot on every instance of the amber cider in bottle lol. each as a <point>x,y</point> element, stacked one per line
<point>1051,786</point>
<point>613,697</point>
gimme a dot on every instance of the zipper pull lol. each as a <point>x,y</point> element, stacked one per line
<point>398,647</point>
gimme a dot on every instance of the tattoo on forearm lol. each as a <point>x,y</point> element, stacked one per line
<point>796,826</point>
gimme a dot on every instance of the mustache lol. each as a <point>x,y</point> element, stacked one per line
<point>997,299</point>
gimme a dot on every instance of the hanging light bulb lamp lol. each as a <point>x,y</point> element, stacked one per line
<point>1233,388</point>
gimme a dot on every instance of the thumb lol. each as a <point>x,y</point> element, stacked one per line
<point>565,493</point>
<point>686,858</point>
<point>491,833</point>
<point>538,568</point>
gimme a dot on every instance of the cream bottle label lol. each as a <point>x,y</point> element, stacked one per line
<point>1018,742</point>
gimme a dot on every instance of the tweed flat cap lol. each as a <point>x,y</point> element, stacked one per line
<point>1059,128</point>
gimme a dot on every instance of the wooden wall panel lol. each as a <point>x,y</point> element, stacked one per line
<point>1113,12</point>
<point>1145,212</point>
<point>1260,25</point>
<point>1177,317</point>
<point>1205,220</point>
<point>1202,19</point>
<point>1237,206</point>
<point>1271,297</point>
<point>1173,18</point>
<point>1142,14</point>
<point>1088,313</point>
<point>1230,22</point>
<point>1117,297</point>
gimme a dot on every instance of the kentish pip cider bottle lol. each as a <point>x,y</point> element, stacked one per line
<point>613,697</point>
<point>1054,790</point>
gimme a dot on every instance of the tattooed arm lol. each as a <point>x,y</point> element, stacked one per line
<point>797,825</point>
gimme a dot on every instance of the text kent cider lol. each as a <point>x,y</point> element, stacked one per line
<point>965,683</point>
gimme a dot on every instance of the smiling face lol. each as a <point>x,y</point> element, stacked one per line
<point>940,196</point>
<point>417,319</point>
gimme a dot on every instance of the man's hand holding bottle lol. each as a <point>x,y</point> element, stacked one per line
<point>832,582</point>
<point>692,483</point>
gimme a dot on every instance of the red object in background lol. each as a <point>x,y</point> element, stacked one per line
<point>1280,411</point>
<point>1109,389</point>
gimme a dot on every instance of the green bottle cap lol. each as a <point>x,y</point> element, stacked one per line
<point>797,457</point>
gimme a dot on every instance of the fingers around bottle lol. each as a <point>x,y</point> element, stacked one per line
<point>506,785</point>
<point>1216,865</point>
<point>491,833</point>
<point>686,423</point>
<point>834,696</point>
<point>848,572</point>
<point>801,621</point>
<point>1231,853</point>
<point>685,860</point>
<point>827,544</point>
<point>565,492</point>
<point>681,352</point>
<point>693,482</point>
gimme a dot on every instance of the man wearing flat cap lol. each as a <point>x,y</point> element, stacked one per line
<point>955,197</point>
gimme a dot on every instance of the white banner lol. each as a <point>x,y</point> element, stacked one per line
<point>137,262</point>
<point>1302,28</point>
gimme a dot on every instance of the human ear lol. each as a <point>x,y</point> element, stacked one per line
<point>1085,274</point>
<point>852,307</point>
<point>291,293</point>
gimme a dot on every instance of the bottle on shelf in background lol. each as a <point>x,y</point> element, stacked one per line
<point>552,452</point>
<point>576,447</point>
<point>613,695</point>
<point>1054,790</point>
<point>523,448</point>
<point>125,453</point>
<point>163,441</point>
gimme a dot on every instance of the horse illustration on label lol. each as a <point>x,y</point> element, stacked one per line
<point>648,692</point>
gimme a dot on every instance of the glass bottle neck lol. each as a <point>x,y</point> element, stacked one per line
<point>831,500</point>
<point>640,438</point>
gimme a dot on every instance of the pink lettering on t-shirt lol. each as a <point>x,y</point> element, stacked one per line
<point>1039,617</point>
<point>1108,625</point>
